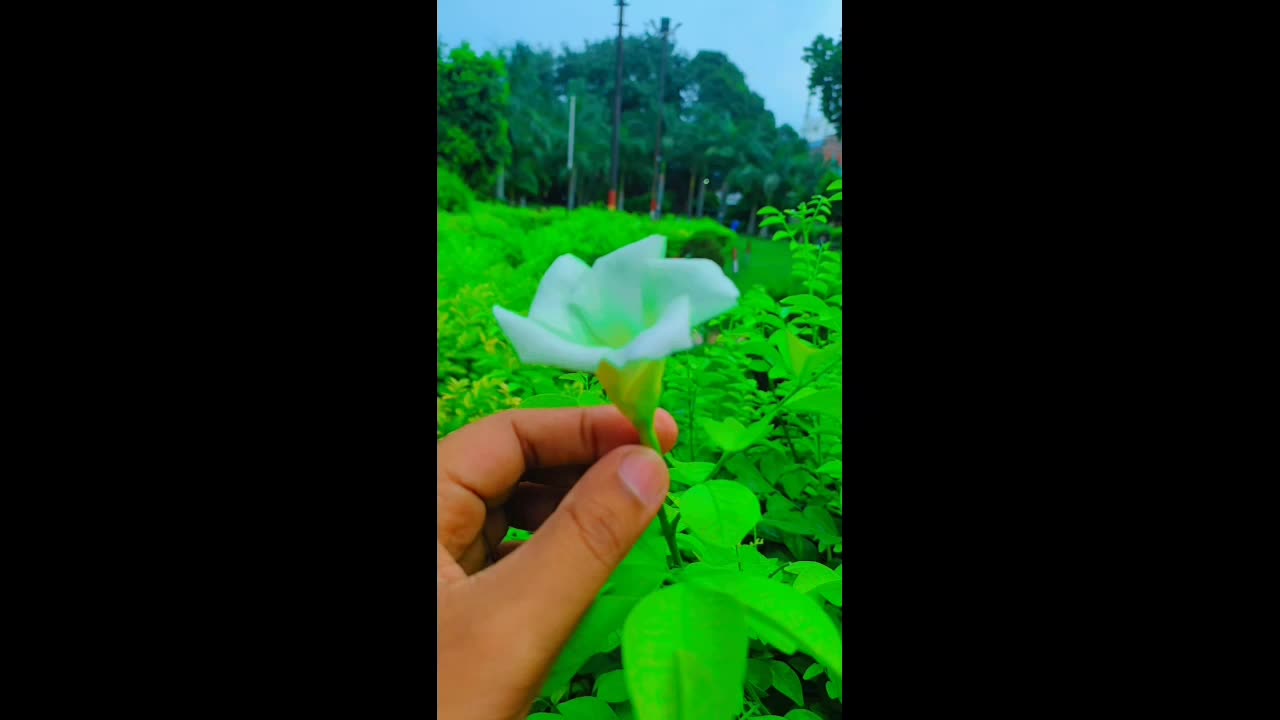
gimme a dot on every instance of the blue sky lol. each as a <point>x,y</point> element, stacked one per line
<point>765,38</point>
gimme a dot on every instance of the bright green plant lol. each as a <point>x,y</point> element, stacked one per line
<point>495,254</point>
<point>731,604</point>
<point>472,101</point>
<point>452,194</point>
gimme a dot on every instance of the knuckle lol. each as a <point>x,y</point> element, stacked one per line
<point>599,529</point>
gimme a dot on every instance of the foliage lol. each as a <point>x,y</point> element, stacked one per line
<point>471,115</point>
<point>452,194</point>
<point>825,58</point>
<point>714,128</point>
<point>745,619</point>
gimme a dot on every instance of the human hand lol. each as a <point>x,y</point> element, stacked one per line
<point>502,625</point>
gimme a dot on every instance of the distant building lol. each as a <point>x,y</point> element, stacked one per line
<point>833,149</point>
<point>822,139</point>
<point>830,148</point>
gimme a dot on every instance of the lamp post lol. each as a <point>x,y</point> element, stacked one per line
<point>617,114</point>
<point>659,168</point>
<point>573,173</point>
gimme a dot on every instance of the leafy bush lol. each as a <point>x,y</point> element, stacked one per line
<point>452,194</point>
<point>757,495</point>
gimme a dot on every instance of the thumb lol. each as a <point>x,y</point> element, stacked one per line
<point>555,577</point>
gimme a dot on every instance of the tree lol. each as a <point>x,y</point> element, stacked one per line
<point>535,123</point>
<point>714,126</point>
<point>471,114</point>
<point>825,58</point>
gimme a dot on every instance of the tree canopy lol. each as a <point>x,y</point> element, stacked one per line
<point>826,76</point>
<point>714,128</point>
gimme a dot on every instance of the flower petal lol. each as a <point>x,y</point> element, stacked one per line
<point>611,305</point>
<point>536,344</point>
<point>611,298</point>
<point>551,303</point>
<point>710,292</point>
<point>634,255</point>
<point>670,335</point>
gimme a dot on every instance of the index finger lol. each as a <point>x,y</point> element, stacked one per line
<point>490,456</point>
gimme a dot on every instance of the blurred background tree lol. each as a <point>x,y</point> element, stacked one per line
<point>825,58</point>
<point>719,141</point>
<point>472,102</point>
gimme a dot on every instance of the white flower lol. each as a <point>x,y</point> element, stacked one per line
<point>633,305</point>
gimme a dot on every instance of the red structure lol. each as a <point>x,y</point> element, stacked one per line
<point>832,148</point>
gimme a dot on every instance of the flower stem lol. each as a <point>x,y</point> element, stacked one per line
<point>650,437</point>
<point>719,464</point>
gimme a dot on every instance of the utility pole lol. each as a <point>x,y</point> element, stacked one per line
<point>573,174</point>
<point>659,168</point>
<point>617,114</point>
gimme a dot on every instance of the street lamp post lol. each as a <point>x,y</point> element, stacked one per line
<point>617,114</point>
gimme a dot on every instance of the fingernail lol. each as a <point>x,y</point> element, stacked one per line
<point>641,472</point>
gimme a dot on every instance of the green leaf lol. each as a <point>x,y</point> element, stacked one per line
<point>782,617</point>
<point>780,235</point>
<point>837,185</point>
<point>712,556</point>
<point>814,671</point>
<point>725,434</point>
<point>730,436</point>
<point>827,401</point>
<point>759,674</point>
<point>768,210</point>
<point>808,303</point>
<point>794,482</point>
<point>586,708</point>
<point>753,562</point>
<point>644,568</point>
<point>824,360</point>
<point>833,690</point>
<point>769,222</point>
<point>720,512</point>
<point>691,473</point>
<point>801,714</point>
<point>592,636</point>
<point>796,353</point>
<point>837,196</point>
<point>785,680</point>
<point>821,520</point>
<point>544,716</point>
<point>834,468</point>
<point>788,521</point>
<point>612,687</point>
<point>745,470</point>
<point>832,592</point>
<point>812,575</point>
<point>684,652</point>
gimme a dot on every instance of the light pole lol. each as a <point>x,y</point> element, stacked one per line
<point>617,114</point>
<point>659,168</point>
<point>573,174</point>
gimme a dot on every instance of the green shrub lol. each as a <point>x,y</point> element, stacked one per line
<point>452,194</point>
<point>760,446</point>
